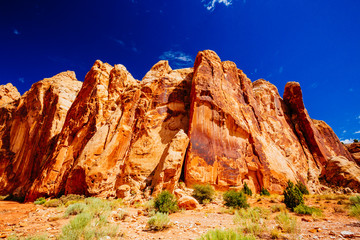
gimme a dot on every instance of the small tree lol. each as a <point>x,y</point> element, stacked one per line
<point>264,192</point>
<point>303,189</point>
<point>292,196</point>
<point>355,140</point>
<point>247,190</point>
<point>165,202</point>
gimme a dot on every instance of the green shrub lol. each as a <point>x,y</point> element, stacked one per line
<point>235,199</point>
<point>292,196</point>
<point>355,211</point>
<point>303,189</point>
<point>75,209</point>
<point>40,201</point>
<point>229,234</point>
<point>159,221</point>
<point>165,202</point>
<point>203,193</point>
<point>355,140</point>
<point>247,190</point>
<point>53,203</point>
<point>354,200</point>
<point>287,223</point>
<point>264,192</point>
<point>306,210</point>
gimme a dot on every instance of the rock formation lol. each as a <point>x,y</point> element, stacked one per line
<point>354,149</point>
<point>30,130</point>
<point>114,136</point>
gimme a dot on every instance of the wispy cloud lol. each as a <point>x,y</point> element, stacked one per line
<point>21,79</point>
<point>314,85</point>
<point>177,59</point>
<point>210,5</point>
<point>344,131</point>
<point>16,32</point>
<point>347,141</point>
<point>358,117</point>
<point>357,132</point>
<point>281,69</point>
<point>351,90</point>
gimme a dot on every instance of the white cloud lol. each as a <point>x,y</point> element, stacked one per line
<point>210,5</point>
<point>314,85</point>
<point>177,59</point>
<point>357,132</point>
<point>16,32</point>
<point>21,79</point>
<point>358,117</point>
<point>344,131</point>
<point>347,141</point>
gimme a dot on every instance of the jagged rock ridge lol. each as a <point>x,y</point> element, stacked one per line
<point>114,136</point>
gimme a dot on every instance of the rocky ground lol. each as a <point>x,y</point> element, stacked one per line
<point>23,220</point>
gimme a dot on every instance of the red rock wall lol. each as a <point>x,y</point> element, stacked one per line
<point>121,136</point>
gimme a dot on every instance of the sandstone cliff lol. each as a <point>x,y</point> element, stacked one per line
<point>120,137</point>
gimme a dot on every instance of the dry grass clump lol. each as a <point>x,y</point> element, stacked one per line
<point>159,221</point>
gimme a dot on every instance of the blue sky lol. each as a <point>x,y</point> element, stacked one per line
<point>314,42</point>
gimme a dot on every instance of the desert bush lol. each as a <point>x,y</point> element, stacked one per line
<point>306,210</point>
<point>264,192</point>
<point>275,234</point>
<point>91,223</point>
<point>303,189</point>
<point>116,203</point>
<point>203,193</point>
<point>229,234</point>
<point>159,221</point>
<point>97,206</point>
<point>354,200</point>
<point>53,203</point>
<point>355,211</point>
<point>287,223</point>
<point>235,199</point>
<point>165,202</point>
<point>75,209</point>
<point>250,220</point>
<point>292,196</point>
<point>247,190</point>
<point>71,199</point>
<point>40,201</point>
<point>278,208</point>
<point>355,140</point>
<point>149,205</point>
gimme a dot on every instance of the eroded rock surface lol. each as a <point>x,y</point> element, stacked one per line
<point>120,137</point>
<point>354,149</point>
<point>29,134</point>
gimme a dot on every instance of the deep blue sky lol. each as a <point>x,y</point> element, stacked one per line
<point>314,42</point>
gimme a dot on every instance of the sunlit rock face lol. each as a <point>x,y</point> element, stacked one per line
<point>31,129</point>
<point>115,136</point>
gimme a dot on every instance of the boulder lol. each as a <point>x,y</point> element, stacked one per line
<point>188,203</point>
<point>339,171</point>
<point>8,93</point>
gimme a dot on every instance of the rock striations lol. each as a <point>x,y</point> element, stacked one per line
<point>114,136</point>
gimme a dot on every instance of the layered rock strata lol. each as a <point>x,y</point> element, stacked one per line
<point>115,136</point>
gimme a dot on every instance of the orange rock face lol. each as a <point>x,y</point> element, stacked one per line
<point>115,136</point>
<point>354,149</point>
<point>8,93</point>
<point>31,129</point>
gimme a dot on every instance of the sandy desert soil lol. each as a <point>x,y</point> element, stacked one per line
<point>23,220</point>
